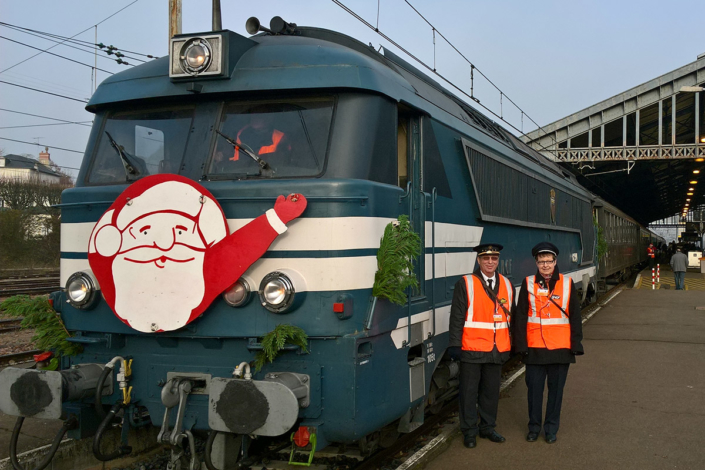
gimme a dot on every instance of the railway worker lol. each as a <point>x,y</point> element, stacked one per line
<point>479,338</point>
<point>548,333</point>
<point>262,136</point>
<point>651,253</point>
<point>679,264</point>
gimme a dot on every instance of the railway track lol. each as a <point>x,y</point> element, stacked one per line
<point>29,286</point>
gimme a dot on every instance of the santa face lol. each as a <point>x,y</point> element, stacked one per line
<point>158,272</point>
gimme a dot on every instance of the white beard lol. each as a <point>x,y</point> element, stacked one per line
<point>150,298</point>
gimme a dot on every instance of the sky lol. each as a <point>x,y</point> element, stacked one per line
<point>551,58</point>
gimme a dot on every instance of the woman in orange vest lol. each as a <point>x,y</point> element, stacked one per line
<point>479,338</point>
<point>548,333</point>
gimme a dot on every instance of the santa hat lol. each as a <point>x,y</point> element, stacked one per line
<point>155,194</point>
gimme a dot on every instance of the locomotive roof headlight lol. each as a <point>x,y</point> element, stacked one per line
<point>81,290</point>
<point>195,56</point>
<point>276,292</point>
<point>238,294</point>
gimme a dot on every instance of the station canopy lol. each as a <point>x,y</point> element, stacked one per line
<point>642,150</point>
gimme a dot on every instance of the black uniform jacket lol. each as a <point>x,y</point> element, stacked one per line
<point>458,313</point>
<point>520,318</point>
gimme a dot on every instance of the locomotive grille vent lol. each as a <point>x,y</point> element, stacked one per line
<point>524,199</point>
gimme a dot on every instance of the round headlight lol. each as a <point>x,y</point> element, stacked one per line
<point>80,290</point>
<point>238,294</point>
<point>276,292</point>
<point>195,56</point>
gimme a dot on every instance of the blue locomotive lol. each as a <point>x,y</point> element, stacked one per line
<point>365,138</point>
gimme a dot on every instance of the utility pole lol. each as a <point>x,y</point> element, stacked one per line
<point>174,20</point>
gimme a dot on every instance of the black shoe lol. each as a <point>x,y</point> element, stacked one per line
<point>493,436</point>
<point>470,442</point>
<point>550,438</point>
<point>532,436</point>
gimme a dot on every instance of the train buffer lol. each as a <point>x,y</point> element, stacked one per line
<point>634,400</point>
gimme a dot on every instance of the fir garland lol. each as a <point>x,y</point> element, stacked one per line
<point>274,341</point>
<point>49,331</point>
<point>398,249</point>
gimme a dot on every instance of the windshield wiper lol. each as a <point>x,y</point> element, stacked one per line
<point>262,164</point>
<point>130,168</point>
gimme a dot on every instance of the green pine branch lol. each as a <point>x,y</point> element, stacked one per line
<point>49,331</point>
<point>274,341</point>
<point>398,249</point>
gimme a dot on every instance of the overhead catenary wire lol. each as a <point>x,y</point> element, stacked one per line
<point>502,94</point>
<point>42,145</point>
<point>45,117</point>
<point>89,48</point>
<point>57,55</point>
<point>434,71</point>
<point>44,125</point>
<point>79,42</point>
<point>90,27</point>
<point>42,91</point>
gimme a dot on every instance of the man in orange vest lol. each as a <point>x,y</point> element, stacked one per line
<point>548,333</point>
<point>651,253</point>
<point>479,338</point>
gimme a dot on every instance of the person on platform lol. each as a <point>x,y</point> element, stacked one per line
<point>679,264</point>
<point>479,338</point>
<point>651,254</point>
<point>548,334</point>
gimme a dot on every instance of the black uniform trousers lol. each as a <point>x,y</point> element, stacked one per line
<point>536,375</point>
<point>479,392</point>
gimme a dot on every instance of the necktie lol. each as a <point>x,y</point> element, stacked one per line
<point>490,282</point>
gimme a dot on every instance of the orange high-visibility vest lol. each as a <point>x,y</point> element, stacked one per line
<point>277,137</point>
<point>486,324</point>
<point>547,326</point>
<point>651,251</point>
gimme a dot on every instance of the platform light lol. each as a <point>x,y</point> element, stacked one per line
<point>690,194</point>
<point>700,159</point>
<point>693,182</point>
<point>688,199</point>
<point>691,189</point>
<point>696,172</point>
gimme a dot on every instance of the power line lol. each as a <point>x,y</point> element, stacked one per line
<point>44,117</point>
<point>35,55</point>
<point>57,55</point>
<point>42,91</point>
<point>433,70</point>
<point>78,42</point>
<point>502,94</point>
<point>44,125</point>
<point>41,145</point>
<point>88,48</point>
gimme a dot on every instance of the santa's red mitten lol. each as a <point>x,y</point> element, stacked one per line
<point>290,207</point>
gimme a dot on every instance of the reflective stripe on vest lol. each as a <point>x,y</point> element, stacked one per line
<point>277,137</point>
<point>548,327</point>
<point>486,324</point>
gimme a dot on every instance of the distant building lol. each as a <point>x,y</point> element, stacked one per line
<point>25,168</point>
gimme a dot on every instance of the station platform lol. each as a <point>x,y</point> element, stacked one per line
<point>694,279</point>
<point>635,400</point>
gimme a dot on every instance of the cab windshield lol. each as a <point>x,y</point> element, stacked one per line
<point>272,140</point>
<point>134,144</point>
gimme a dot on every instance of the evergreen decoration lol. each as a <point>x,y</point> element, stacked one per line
<point>49,331</point>
<point>274,341</point>
<point>602,245</point>
<point>398,249</point>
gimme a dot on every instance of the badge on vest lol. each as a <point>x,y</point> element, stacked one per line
<point>497,317</point>
<point>543,292</point>
<point>556,297</point>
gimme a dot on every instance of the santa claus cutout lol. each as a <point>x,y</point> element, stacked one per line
<point>162,253</point>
